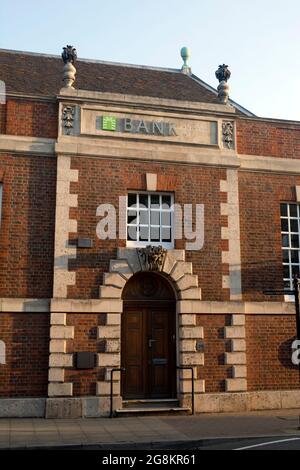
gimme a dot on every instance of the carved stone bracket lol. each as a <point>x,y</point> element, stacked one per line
<point>152,257</point>
<point>228,134</point>
<point>68,115</point>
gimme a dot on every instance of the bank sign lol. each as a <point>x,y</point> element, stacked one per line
<point>135,126</point>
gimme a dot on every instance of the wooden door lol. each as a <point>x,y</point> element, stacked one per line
<point>148,351</point>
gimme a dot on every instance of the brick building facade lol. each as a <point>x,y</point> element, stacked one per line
<point>138,140</point>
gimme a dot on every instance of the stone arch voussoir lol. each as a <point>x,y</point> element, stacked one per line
<point>174,267</point>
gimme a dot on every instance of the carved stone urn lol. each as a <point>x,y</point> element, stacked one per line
<point>69,56</point>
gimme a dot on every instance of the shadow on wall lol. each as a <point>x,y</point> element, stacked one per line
<point>262,275</point>
<point>97,262</point>
<point>28,354</point>
<point>256,277</point>
<point>27,227</point>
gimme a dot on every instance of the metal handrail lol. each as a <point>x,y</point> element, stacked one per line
<point>119,369</point>
<point>193,387</point>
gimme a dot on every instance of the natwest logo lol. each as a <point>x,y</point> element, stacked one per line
<point>136,126</point>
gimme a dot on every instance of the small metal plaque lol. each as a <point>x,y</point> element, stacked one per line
<point>159,361</point>
<point>84,243</point>
<point>200,346</point>
<point>85,360</point>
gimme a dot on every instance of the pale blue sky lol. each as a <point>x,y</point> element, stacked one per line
<point>258,39</point>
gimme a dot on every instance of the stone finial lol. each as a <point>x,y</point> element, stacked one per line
<point>185,53</point>
<point>223,75</point>
<point>69,56</point>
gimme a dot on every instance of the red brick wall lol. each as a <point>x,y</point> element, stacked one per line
<point>269,365</point>
<point>27,226</point>
<point>25,373</point>
<point>2,118</point>
<point>260,195</point>
<point>85,339</point>
<point>268,138</point>
<point>214,371</point>
<point>32,118</point>
<point>102,181</point>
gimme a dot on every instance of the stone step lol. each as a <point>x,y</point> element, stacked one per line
<point>159,410</point>
<point>150,403</point>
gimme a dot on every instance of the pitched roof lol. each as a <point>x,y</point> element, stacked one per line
<point>41,74</point>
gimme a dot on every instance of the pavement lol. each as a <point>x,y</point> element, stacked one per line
<point>155,432</point>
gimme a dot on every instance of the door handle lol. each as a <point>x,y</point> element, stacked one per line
<point>150,341</point>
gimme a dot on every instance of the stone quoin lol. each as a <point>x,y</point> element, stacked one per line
<point>80,134</point>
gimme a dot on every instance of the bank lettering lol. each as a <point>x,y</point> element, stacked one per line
<point>136,126</point>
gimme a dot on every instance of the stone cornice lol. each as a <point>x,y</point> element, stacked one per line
<point>200,307</point>
<point>29,97</point>
<point>24,305</point>
<point>134,101</point>
<point>286,123</point>
<point>26,145</point>
<point>269,164</point>
<point>233,307</point>
<point>146,151</point>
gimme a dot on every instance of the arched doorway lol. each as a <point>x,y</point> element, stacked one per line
<point>148,343</point>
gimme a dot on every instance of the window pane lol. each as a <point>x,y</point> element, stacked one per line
<point>144,217</point>
<point>285,256</point>
<point>132,233</point>
<point>295,271</point>
<point>166,218</point>
<point>154,218</point>
<point>285,240</point>
<point>143,201</point>
<point>283,210</point>
<point>294,256</point>
<point>287,284</point>
<point>132,217</point>
<point>295,241</point>
<point>284,225</point>
<point>166,234</point>
<point>286,272</point>
<point>155,201</point>
<point>166,202</point>
<point>144,234</point>
<point>131,200</point>
<point>155,235</point>
<point>294,225</point>
<point>293,210</point>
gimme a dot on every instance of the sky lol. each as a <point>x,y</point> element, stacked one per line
<point>258,39</point>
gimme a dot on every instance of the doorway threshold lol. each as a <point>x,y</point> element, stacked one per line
<point>151,406</point>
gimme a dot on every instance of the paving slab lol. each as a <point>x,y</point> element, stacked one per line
<point>39,433</point>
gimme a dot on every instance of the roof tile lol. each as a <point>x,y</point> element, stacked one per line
<point>29,73</point>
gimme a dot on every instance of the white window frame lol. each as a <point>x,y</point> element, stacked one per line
<point>141,244</point>
<point>289,248</point>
